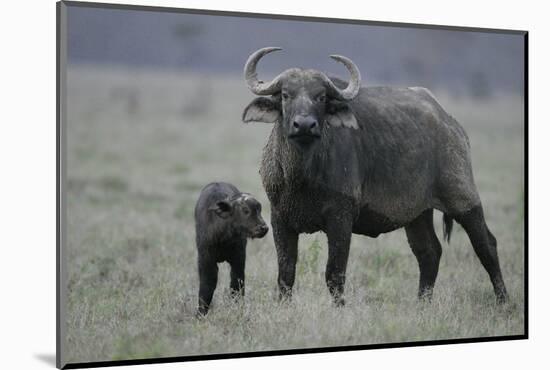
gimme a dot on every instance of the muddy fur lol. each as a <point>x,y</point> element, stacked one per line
<point>388,166</point>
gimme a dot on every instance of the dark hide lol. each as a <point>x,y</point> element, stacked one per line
<point>224,219</point>
<point>382,161</point>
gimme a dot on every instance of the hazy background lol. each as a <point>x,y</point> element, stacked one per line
<point>154,105</point>
<point>465,62</point>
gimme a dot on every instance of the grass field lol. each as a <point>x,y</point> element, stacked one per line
<point>142,144</point>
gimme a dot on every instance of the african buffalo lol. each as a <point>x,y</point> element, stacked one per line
<point>346,159</point>
<point>224,219</point>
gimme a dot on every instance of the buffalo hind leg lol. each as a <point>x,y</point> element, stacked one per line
<point>485,246</point>
<point>208,279</point>
<point>427,250</point>
<point>286,243</point>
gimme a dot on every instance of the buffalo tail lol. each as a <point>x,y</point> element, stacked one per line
<point>447,227</point>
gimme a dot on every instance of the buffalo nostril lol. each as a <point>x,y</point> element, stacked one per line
<point>296,124</point>
<point>313,125</point>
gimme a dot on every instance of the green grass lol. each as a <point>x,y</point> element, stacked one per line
<point>132,182</point>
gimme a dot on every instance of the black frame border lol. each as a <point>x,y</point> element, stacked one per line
<point>60,90</point>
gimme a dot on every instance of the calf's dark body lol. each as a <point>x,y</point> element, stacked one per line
<point>223,239</point>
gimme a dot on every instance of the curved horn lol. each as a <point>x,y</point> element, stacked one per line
<point>251,77</point>
<point>354,84</point>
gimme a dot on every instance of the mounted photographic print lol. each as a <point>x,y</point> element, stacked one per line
<point>234,184</point>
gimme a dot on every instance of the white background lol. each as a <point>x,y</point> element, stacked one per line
<point>27,167</point>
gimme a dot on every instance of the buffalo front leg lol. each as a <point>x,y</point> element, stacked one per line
<point>427,250</point>
<point>286,242</point>
<point>237,263</point>
<point>339,238</point>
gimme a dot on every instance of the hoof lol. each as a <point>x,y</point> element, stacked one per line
<point>201,313</point>
<point>339,302</point>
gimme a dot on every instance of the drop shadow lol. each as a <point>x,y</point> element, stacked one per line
<point>47,358</point>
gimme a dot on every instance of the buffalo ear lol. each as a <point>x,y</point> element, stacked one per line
<point>339,114</point>
<point>262,110</point>
<point>223,208</point>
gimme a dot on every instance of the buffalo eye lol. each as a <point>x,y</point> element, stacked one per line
<point>246,211</point>
<point>285,96</point>
<point>321,98</point>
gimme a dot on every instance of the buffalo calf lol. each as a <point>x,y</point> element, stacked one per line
<point>224,219</point>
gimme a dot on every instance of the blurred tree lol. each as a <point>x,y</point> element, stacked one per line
<point>479,86</point>
<point>189,33</point>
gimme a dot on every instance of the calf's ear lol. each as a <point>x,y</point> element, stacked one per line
<point>262,110</point>
<point>223,208</point>
<point>339,114</point>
